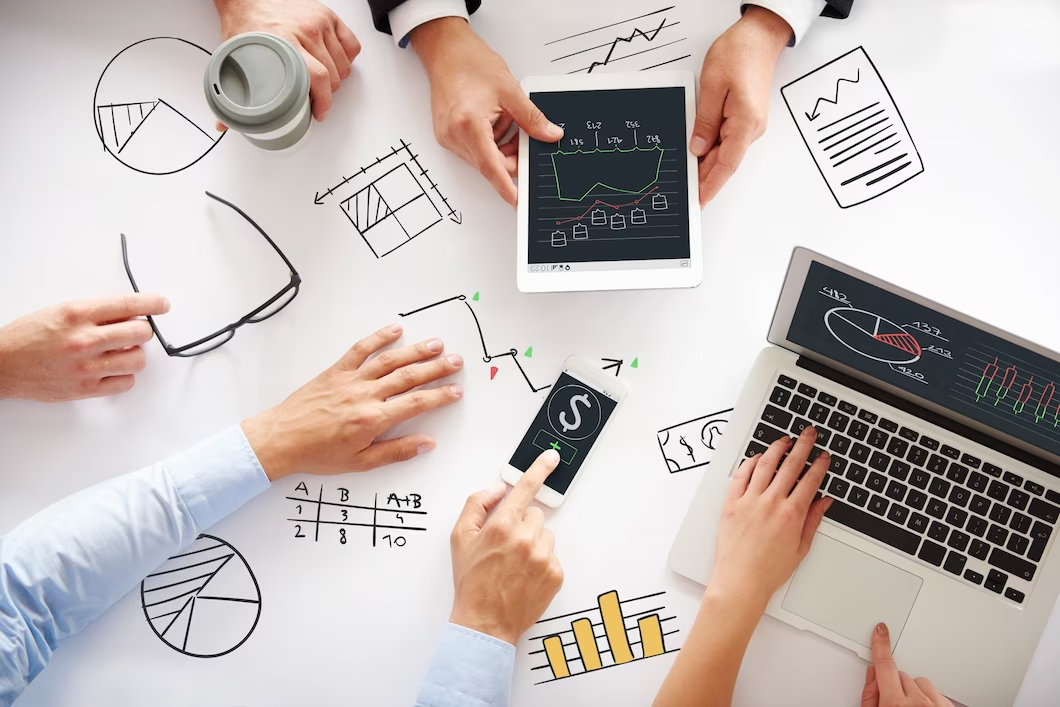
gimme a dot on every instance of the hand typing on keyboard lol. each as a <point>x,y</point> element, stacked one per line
<point>886,686</point>
<point>767,525</point>
<point>770,518</point>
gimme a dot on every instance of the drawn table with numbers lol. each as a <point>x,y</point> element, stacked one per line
<point>334,590</point>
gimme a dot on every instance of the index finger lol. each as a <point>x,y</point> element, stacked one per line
<point>526,490</point>
<point>105,310</point>
<point>886,669</point>
<point>490,162</point>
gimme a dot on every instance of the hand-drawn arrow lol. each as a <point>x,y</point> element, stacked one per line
<point>835,102</point>
<point>615,363</point>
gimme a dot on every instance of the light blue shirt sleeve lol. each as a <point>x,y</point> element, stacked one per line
<point>470,669</point>
<point>65,566</point>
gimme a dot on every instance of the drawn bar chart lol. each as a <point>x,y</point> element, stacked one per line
<point>614,632</point>
<point>647,41</point>
<point>1002,384</point>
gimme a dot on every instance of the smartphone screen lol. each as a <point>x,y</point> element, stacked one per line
<point>569,421</point>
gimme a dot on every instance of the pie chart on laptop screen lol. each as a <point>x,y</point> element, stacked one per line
<point>872,336</point>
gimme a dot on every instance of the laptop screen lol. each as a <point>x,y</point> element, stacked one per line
<point>933,356</point>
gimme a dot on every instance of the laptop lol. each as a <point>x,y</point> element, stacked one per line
<point>944,435</point>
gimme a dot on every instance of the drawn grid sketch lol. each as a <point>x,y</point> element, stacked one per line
<point>638,43</point>
<point>135,106</point>
<point>204,602</point>
<point>391,201</point>
<point>612,633</point>
<point>397,516</point>
<point>689,445</point>
<point>852,128</point>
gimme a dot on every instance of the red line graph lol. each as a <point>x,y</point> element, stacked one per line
<point>616,207</point>
<point>905,342</point>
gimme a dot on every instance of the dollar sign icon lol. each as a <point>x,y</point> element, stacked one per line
<point>584,400</point>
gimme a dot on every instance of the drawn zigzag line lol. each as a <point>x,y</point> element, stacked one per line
<point>636,31</point>
<point>828,100</point>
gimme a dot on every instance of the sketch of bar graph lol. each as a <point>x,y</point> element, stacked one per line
<point>614,632</point>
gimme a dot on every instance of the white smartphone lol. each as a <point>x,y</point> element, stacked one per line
<point>576,413</point>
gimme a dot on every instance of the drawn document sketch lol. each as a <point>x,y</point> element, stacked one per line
<point>637,43</point>
<point>853,129</point>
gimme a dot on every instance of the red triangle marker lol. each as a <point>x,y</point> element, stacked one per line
<point>493,372</point>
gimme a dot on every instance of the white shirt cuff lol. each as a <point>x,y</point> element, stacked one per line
<point>799,14</point>
<point>412,13</point>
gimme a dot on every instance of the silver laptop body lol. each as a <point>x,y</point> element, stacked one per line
<point>945,441</point>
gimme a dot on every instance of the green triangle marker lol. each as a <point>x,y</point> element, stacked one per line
<point>529,353</point>
<point>475,298</point>
<point>634,364</point>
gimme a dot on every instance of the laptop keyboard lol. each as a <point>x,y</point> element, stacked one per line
<point>956,512</point>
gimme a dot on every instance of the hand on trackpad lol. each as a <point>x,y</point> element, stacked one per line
<point>848,591</point>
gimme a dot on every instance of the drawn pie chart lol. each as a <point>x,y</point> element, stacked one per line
<point>872,336</point>
<point>205,601</point>
<point>149,109</point>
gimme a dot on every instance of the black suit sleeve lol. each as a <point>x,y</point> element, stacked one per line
<point>837,9</point>
<point>381,11</point>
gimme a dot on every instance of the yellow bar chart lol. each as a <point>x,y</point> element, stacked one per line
<point>614,632</point>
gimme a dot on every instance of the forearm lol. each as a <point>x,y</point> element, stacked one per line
<point>434,40</point>
<point>64,567</point>
<point>705,671</point>
<point>470,669</point>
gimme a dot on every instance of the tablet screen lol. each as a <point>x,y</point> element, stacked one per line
<point>613,194</point>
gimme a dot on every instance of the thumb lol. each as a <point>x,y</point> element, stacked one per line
<point>530,118</point>
<point>813,521</point>
<point>712,94</point>
<point>478,507</point>
<point>870,695</point>
<point>391,451</point>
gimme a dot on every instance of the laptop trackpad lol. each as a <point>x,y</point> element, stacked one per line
<point>848,591</point>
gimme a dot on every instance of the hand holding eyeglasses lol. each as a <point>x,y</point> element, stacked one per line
<point>331,425</point>
<point>84,349</point>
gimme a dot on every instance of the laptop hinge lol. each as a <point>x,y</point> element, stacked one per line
<point>928,415</point>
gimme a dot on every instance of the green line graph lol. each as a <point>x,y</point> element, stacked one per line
<point>655,165</point>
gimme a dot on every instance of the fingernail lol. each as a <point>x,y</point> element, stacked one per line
<point>395,328</point>
<point>698,146</point>
<point>165,305</point>
<point>554,130</point>
<point>434,345</point>
<point>455,359</point>
<point>324,115</point>
<point>550,457</point>
<point>456,390</point>
<point>881,628</point>
<point>424,448</point>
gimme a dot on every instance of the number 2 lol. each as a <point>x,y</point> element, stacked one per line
<point>298,531</point>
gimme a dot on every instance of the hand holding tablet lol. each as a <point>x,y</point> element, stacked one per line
<point>613,205</point>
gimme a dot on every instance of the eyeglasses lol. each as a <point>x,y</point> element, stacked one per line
<point>222,336</point>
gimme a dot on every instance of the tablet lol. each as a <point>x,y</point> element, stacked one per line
<point>615,204</point>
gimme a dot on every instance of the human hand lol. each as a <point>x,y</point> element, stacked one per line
<point>328,45</point>
<point>475,99</point>
<point>769,519</point>
<point>734,95</point>
<point>886,686</point>
<point>504,570</point>
<point>84,349</point>
<point>331,424</point>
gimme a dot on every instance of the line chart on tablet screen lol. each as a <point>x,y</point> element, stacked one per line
<point>614,188</point>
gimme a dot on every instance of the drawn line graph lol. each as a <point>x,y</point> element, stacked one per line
<point>599,202</point>
<point>835,102</point>
<point>486,355</point>
<point>660,36</point>
<point>609,163</point>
